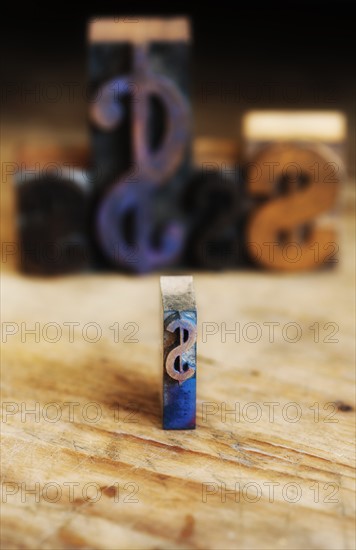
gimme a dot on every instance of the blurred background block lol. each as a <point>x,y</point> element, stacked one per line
<point>294,170</point>
<point>215,204</point>
<point>141,128</point>
<point>260,128</point>
<point>53,193</point>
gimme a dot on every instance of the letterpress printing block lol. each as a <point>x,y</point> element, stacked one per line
<point>294,169</point>
<point>179,353</point>
<point>140,116</point>
<point>52,196</point>
<point>263,128</point>
<point>216,206</point>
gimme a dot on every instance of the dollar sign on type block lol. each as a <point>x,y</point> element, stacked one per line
<point>298,184</point>
<point>179,353</point>
<point>158,120</point>
<point>179,366</point>
<point>124,219</point>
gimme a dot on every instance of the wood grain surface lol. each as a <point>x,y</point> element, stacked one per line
<point>103,473</point>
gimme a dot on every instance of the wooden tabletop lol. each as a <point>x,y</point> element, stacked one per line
<point>85,463</point>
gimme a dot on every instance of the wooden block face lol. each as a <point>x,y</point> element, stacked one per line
<point>261,128</point>
<point>179,353</point>
<point>138,30</point>
<point>296,187</point>
<point>294,168</point>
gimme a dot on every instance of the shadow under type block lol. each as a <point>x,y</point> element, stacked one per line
<point>179,353</point>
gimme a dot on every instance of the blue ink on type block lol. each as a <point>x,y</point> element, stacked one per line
<point>179,353</point>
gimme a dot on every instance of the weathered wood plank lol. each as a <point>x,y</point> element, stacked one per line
<point>179,479</point>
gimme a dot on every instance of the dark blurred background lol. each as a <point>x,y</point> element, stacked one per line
<point>245,56</point>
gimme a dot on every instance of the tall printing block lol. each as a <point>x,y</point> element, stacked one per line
<point>140,118</point>
<point>179,353</point>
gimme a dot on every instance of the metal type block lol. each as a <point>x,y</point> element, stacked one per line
<point>179,353</point>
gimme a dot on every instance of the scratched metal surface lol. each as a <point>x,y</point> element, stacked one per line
<point>178,294</point>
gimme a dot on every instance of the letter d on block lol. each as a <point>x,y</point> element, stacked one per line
<point>179,353</point>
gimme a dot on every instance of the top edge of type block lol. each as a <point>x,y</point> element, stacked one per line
<point>178,293</point>
<point>138,30</point>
